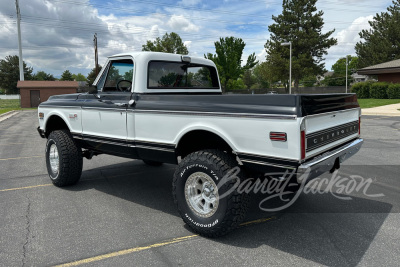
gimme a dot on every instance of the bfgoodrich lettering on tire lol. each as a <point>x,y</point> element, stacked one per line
<point>63,158</point>
<point>210,211</point>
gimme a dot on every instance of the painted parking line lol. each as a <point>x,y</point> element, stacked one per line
<point>127,251</point>
<point>21,158</point>
<point>257,221</point>
<point>26,187</point>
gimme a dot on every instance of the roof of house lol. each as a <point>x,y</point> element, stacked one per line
<point>47,84</point>
<point>387,67</point>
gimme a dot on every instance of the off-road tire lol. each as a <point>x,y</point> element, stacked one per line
<point>231,210</point>
<point>70,158</point>
<point>152,163</point>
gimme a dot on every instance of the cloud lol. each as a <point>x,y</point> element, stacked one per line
<point>347,38</point>
<point>180,23</point>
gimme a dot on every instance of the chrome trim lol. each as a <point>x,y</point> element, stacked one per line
<point>333,112</point>
<point>56,106</point>
<point>326,161</point>
<point>156,148</point>
<point>107,109</point>
<point>344,140</point>
<point>265,157</point>
<point>104,142</point>
<point>217,114</point>
<point>268,164</point>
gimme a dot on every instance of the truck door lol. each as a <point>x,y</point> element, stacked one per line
<point>104,114</point>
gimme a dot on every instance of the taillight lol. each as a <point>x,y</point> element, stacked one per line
<point>359,125</point>
<point>303,139</point>
<point>303,144</point>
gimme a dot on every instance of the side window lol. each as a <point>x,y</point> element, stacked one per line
<point>181,75</point>
<point>119,76</point>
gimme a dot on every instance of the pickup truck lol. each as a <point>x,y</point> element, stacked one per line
<point>168,108</point>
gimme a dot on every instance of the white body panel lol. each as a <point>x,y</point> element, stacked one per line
<point>105,123</point>
<point>253,140</point>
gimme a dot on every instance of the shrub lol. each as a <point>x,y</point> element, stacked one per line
<point>361,89</point>
<point>379,90</point>
<point>393,91</point>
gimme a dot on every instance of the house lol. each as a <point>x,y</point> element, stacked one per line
<point>385,72</point>
<point>35,92</point>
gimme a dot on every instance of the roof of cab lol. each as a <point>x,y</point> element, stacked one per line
<point>148,56</point>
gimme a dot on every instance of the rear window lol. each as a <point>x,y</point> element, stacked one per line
<point>169,75</point>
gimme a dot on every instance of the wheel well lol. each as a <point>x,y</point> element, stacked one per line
<point>200,140</point>
<point>55,123</point>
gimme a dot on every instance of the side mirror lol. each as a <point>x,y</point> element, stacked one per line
<point>92,90</point>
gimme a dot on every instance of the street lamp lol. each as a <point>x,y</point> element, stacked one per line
<point>290,64</point>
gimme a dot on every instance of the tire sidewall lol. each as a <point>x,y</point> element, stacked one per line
<point>50,142</point>
<point>197,222</point>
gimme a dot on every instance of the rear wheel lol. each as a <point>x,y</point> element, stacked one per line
<point>205,201</point>
<point>63,158</point>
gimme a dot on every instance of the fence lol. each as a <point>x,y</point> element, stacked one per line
<point>9,97</point>
<point>301,90</point>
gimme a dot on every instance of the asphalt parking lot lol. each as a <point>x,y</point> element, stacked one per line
<point>122,214</point>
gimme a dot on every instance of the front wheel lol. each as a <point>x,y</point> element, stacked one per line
<point>206,200</point>
<point>63,158</point>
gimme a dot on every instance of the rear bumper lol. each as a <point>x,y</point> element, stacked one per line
<point>41,132</point>
<point>327,161</point>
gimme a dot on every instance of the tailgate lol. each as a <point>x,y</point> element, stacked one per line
<point>330,120</point>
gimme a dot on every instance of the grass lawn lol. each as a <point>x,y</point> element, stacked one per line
<point>371,103</point>
<point>7,105</point>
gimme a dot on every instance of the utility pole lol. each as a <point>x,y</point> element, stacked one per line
<point>21,62</point>
<point>290,64</point>
<point>346,70</point>
<point>96,60</point>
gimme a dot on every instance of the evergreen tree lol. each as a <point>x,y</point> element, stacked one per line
<point>92,75</point>
<point>170,43</point>
<point>300,23</point>
<point>9,74</point>
<point>382,42</point>
<point>66,76</point>
<point>43,76</point>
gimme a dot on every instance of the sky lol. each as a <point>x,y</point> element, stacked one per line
<point>58,34</point>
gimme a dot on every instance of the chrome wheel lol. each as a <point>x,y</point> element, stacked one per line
<point>54,159</point>
<point>201,194</point>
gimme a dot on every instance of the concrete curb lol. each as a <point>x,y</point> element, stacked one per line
<point>8,115</point>
<point>379,114</point>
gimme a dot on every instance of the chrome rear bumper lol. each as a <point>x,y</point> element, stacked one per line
<point>326,162</point>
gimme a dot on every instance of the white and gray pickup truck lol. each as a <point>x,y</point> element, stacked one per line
<point>168,108</point>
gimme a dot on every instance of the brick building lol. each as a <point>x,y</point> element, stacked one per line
<point>35,92</point>
<point>386,72</point>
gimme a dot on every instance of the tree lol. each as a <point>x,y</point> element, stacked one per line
<point>92,75</point>
<point>79,77</point>
<point>9,74</point>
<point>382,42</point>
<point>170,43</point>
<point>43,76</point>
<point>301,24</point>
<point>228,59</point>
<point>339,72</point>
<point>66,76</point>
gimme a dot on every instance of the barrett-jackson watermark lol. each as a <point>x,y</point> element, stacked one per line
<point>281,186</point>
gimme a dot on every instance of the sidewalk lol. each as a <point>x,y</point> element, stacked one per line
<point>388,110</point>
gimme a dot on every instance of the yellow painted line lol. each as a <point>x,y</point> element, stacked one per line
<point>257,221</point>
<point>22,158</point>
<point>26,187</point>
<point>125,251</point>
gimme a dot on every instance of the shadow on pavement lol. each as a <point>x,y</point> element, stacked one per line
<point>319,228</point>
